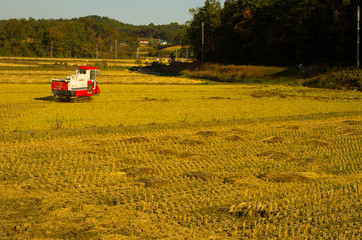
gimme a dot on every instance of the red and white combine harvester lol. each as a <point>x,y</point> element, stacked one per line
<point>81,84</point>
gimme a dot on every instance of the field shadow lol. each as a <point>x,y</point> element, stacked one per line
<point>300,73</point>
<point>47,98</point>
<point>64,99</point>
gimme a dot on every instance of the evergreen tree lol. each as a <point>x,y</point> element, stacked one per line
<point>275,32</point>
<point>209,15</point>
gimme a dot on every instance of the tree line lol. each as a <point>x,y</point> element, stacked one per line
<point>268,32</point>
<point>275,32</point>
<point>79,37</point>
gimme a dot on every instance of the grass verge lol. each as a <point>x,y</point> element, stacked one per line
<point>312,76</point>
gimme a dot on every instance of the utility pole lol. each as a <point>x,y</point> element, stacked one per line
<point>358,36</point>
<point>202,43</point>
<point>116,52</point>
<point>97,51</point>
<point>51,52</point>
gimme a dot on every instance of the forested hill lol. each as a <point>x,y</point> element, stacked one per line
<point>170,32</point>
<point>79,37</point>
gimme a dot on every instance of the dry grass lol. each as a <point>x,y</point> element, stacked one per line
<point>247,210</point>
<point>276,155</point>
<point>352,122</point>
<point>181,183</point>
<point>202,175</point>
<point>140,171</point>
<point>171,49</point>
<point>47,62</point>
<point>285,177</point>
<point>273,139</point>
<point>317,143</point>
<point>39,70</point>
<point>155,182</point>
<point>269,93</point>
<point>232,73</point>
<point>121,76</point>
<point>31,107</point>
<point>212,162</point>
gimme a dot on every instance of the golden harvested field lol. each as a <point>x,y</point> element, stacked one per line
<point>179,161</point>
<point>47,62</point>
<point>123,76</point>
<point>31,62</point>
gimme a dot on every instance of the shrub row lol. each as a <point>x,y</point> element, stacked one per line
<point>313,76</point>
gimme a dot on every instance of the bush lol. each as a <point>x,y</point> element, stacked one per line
<point>337,79</point>
<point>157,66</point>
<point>233,73</point>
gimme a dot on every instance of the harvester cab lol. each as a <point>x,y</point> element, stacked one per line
<point>81,84</point>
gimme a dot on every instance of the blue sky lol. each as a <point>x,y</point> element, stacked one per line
<point>138,12</point>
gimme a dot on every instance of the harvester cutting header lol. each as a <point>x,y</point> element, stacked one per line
<point>81,84</point>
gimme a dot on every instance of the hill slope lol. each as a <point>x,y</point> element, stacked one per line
<point>78,37</point>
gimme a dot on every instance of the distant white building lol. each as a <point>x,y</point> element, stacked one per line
<point>143,42</point>
<point>163,43</point>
